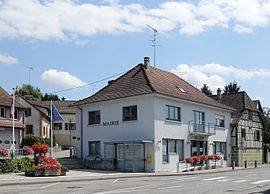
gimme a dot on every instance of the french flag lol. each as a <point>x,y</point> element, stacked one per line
<point>11,111</point>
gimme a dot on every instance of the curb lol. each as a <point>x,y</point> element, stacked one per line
<point>76,179</point>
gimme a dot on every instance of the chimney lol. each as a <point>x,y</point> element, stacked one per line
<point>219,95</point>
<point>147,63</point>
<point>111,82</point>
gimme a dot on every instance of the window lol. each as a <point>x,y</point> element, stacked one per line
<point>0,141</point>
<point>257,135</point>
<point>94,147</point>
<point>199,117</point>
<point>94,117</point>
<point>220,148</point>
<point>57,126</point>
<point>130,113</point>
<point>250,114</point>
<point>220,120</point>
<point>27,112</point>
<point>172,146</point>
<point>29,129</point>
<point>44,131</point>
<point>173,113</point>
<point>7,142</point>
<point>165,151</point>
<point>243,133</point>
<point>16,115</point>
<point>2,112</point>
<point>72,126</point>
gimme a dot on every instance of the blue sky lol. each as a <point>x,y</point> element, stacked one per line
<point>72,43</point>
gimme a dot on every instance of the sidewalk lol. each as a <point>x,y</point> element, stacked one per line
<point>94,175</point>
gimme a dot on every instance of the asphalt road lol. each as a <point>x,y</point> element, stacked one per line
<point>243,181</point>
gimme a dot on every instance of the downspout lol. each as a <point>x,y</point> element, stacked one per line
<point>81,131</point>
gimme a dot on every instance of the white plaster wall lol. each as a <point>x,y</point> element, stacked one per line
<point>141,129</point>
<point>179,130</point>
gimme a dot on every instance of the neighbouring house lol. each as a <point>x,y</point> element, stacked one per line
<point>6,137</point>
<point>63,132</point>
<point>150,120</point>
<point>36,119</point>
<point>246,127</point>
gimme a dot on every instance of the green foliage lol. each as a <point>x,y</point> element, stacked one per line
<point>231,88</point>
<point>30,140</point>
<point>266,121</point>
<point>14,166</point>
<point>30,93</point>
<point>53,97</point>
<point>205,89</point>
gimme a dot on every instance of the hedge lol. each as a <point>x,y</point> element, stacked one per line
<point>30,140</point>
<point>14,166</point>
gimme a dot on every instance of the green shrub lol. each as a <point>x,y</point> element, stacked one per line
<point>14,166</point>
<point>30,140</point>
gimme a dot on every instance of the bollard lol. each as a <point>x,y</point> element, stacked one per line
<point>233,165</point>
<point>256,164</point>
<point>245,164</point>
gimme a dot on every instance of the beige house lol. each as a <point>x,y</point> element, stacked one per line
<point>36,118</point>
<point>61,130</point>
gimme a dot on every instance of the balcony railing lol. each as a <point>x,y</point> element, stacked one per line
<point>202,128</point>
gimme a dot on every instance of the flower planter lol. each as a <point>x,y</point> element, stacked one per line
<point>33,173</point>
<point>51,172</point>
<point>63,172</point>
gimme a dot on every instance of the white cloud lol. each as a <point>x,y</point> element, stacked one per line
<point>216,75</point>
<point>68,19</point>
<point>9,60</point>
<point>60,79</point>
<point>242,29</point>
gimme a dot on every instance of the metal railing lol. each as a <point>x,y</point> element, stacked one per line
<point>202,128</point>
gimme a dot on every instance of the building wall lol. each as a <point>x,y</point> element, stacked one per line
<point>141,129</point>
<point>180,130</point>
<point>150,125</point>
<point>62,137</point>
<point>33,120</point>
<point>247,148</point>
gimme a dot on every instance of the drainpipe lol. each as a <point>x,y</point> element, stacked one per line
<point>81,131</point>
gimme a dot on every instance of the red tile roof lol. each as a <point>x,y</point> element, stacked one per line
<point>8,123</point>
<point>63,107</point>
<point>140,81</point>
<point>6,99</point>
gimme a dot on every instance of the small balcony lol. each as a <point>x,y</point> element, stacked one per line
<point>204,129</point>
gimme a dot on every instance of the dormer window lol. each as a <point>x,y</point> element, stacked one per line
<point>181,89</point>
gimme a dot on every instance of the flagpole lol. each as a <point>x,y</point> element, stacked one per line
<point>51,131</point>
<point>13,126</point>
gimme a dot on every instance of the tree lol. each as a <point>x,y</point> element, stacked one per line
<point>205,89</point>
<point>53,97</point>
<point>232,87</point>
<point>266,121</point>
<point>30,93</point>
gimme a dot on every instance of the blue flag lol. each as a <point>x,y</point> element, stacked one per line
<point>55,114</point>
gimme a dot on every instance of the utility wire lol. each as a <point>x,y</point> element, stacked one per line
<point>68,89</point>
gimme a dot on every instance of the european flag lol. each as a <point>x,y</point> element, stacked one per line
<point>55,114</point>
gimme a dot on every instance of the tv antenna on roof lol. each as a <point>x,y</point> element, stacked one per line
<point>154,42</point>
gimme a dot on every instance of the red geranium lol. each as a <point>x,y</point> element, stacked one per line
<point>203,158</point>
<point>189,160</point>
<point>40,147</point>
<point>196,159</point>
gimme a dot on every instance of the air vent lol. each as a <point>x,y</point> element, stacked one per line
<point>181,89</point>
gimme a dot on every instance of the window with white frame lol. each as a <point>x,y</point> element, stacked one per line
<point>220,120</point>
<point>220,149</point>
<point>29,129</point>
<point>2,112</point>
<point>94,147</point>
<point>173,113</point>
<point>172,147</point>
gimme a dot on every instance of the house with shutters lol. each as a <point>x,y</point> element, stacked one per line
<point>246,127</point>
<point>6,137</point>
<point>150,120</point>
<point>36,118</point>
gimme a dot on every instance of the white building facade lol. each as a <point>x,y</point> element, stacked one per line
<point>151,132</point>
